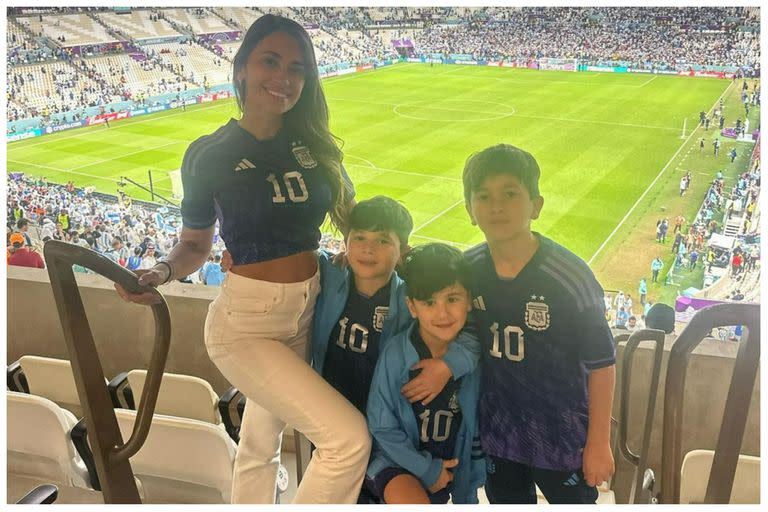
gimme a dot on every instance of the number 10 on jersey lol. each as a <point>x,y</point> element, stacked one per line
<point>510,331</point>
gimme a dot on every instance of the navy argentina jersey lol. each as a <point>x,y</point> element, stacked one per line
<point>354,345</point>
<point>270,196</point>
<point>438,421</point>
<point>541,332</point>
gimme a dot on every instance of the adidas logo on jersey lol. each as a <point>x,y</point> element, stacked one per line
<point>479,303</point>
<point>244,164</point>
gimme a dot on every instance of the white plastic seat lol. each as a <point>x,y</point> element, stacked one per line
<point>694,477</point>
<point>180,395</point>
<point>40,450</point>
<point>182,460</point>
<point>52,379</point>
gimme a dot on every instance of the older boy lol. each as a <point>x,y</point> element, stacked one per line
<point>548,360</point>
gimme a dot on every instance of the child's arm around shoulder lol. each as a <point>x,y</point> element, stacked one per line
<point>462,358</point>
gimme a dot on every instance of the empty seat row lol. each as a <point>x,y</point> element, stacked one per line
<point>47,445</point>
<point>183,396</point>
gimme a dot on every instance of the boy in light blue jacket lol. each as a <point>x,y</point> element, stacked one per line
<point>426,454</point>
<point>362,306</point>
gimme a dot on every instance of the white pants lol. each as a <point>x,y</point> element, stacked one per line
<point>257,333</point>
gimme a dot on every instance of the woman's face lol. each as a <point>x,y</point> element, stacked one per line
<point>274,75</point>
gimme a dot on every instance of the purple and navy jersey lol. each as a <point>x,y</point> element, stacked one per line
<point>353,348</point>
<point>438,421</point>
<point>270,196</point>
<point>541,334</point>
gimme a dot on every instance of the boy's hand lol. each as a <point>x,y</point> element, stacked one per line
<point>446,476</point>
<point>597,463</point>
<point>429,382</point>
<point>226,261</point>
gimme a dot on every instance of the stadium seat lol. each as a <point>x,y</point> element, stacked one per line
<point>40,452</point>
<point>184,396</point>
<point>52,379</point>
<point>694,476</point>
<point>182,460</point>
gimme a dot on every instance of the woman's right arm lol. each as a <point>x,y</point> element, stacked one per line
<point>186,257</point>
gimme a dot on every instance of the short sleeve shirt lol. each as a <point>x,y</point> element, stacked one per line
<point>269,196</point>
<point>541,333</point>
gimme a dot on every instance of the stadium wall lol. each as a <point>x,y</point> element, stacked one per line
<point>123,334</point>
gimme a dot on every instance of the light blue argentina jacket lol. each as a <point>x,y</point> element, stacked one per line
<point>396,433</point>
<point>462,357</point>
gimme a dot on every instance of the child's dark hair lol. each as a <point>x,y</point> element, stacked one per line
<point>382,213</point>
<point>430,268</point>
<point>501,159</point>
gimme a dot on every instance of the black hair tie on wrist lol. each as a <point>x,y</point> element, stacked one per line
<point>170,270</point>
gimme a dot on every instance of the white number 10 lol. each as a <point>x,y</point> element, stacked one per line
<point>296,176</point>
<point>508,330</point>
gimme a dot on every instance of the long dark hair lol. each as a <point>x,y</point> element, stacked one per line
<point>308,119</point>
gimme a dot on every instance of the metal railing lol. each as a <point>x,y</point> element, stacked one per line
<point>737,403</point>
<point>110,453</point>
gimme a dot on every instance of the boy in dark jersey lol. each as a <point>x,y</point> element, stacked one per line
<point>362,306</point>
<point>548,363</point>
<point>426,453</point>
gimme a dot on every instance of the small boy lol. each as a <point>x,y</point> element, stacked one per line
<point>548,363</point>
<point>426,454</point>
<point>362,306</point>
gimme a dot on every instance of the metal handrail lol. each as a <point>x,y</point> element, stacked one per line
<point>657,336</point>
<point>737,404</point>
<point>111,454</point>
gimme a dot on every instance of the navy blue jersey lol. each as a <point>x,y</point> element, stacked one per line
<point>541,333</point>
<point>270,196</point>
<point>354,345</point>
<point>439,420</point>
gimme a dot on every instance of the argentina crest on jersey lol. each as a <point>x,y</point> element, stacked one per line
<point>303,155</point>
<point>537,314</point>
<point>453,403</point>
<point>379,315</point>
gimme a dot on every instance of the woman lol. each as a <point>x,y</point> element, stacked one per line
<point>270,178</point>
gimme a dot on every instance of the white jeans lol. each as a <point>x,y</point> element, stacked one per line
<point>257,333</point>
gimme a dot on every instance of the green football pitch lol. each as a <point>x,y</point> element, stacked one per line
<point>601,140</point>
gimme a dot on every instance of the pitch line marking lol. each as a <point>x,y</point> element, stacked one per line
<point>639,199</point>
<point>57,169</point>
<point>371,165</point>
<point>433,219</point>
<point>449,242</point>
<point>11,146</point>
<point>516,114</point>
<point>128,154</point>
<point>648,81</point>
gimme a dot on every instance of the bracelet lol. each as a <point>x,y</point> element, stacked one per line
<point>170,270</point>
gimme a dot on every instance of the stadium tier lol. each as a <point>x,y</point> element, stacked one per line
<point>645,123</point>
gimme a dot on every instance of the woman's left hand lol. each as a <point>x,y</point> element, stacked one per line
<point>433,377</point>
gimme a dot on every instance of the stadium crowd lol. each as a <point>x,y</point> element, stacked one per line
<point>660,37</point>
<point>131,233</point>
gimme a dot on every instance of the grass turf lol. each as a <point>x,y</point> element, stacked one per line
<point>600,139</point>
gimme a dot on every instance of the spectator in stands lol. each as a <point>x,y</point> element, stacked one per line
<point>736,262</point>
<point>621,318</point>
<point>213,274</point>
<point>632,324</point>
<point>273,283</point>
<point>694,257</point>
<point>23,226</point>
<point>23,255</point>
<point>148,260</point>
<point>134,261</point>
